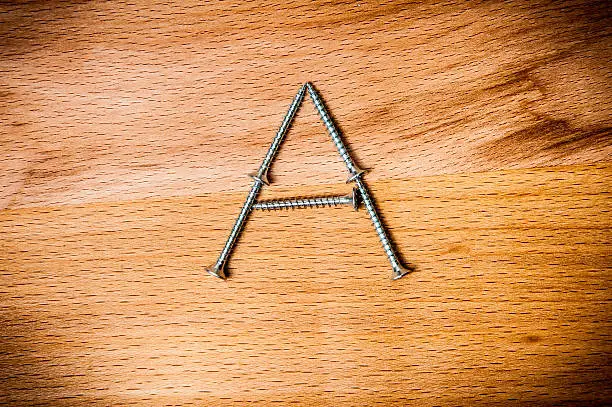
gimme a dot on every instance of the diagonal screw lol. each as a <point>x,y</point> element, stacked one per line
<point>356,175</point>
<point>351,199</point>
<point>260,178</point>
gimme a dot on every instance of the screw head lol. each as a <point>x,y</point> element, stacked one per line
<point>217,271</point>
<point>355,175</point>
<point>261,177</point>
<point>401,271</point>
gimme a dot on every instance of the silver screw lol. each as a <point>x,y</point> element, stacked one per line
<point>262,173</point>
<point>335,135</point>
<point>352,199</point>
<point>356,175</point>
<point>260,178</point>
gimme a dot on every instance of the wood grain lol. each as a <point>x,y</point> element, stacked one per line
<point>125,100</point>
<point>126,132</point>
<point>108,302</point>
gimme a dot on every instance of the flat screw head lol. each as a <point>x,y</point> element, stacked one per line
<point>217,271</point>
<point>355,175</point>
<point>261,178</point>
<point>400,271</point>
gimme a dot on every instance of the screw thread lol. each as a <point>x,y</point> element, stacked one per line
<point>260,179</point>
<point>398,269</point>
<point>280,134</point>
<point>332,130</point>
<point>237,228</point>
<point>315,202</point>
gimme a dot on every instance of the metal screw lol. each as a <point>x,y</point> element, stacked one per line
<point>262,173</point>
<point>335,135</point>
<point>356,175</point>
<point>260,178</point>
<point>352,199</point>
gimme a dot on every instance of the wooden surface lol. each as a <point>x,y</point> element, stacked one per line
<point>126,129</point>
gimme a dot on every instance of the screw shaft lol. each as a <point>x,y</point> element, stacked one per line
<point>235,232</point>
<point>332,130</point>
<point>218,269</point>
<point>397,267</point>
<point>356,175</point>
<point>303,203</point>
<point>262,173</point>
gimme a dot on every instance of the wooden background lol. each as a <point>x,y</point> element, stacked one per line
<point>126,131</point>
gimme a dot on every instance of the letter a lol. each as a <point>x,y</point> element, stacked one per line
<point>261,177</point>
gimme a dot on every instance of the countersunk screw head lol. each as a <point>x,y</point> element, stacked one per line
<point>401,271</point>
<point>355,175</point>
<point>217,271</point>
<point>261,178</point>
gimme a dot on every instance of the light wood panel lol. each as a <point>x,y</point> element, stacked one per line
<point>103,101</point>
<point>108,302</point>
<point>126,132</point>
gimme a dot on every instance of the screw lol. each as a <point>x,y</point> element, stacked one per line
<point>260,178</point>
<point>351,199</point>
<point>356,175</point>
<point>398,270</point>
<point>335,135</point>
<point>262,173</point>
